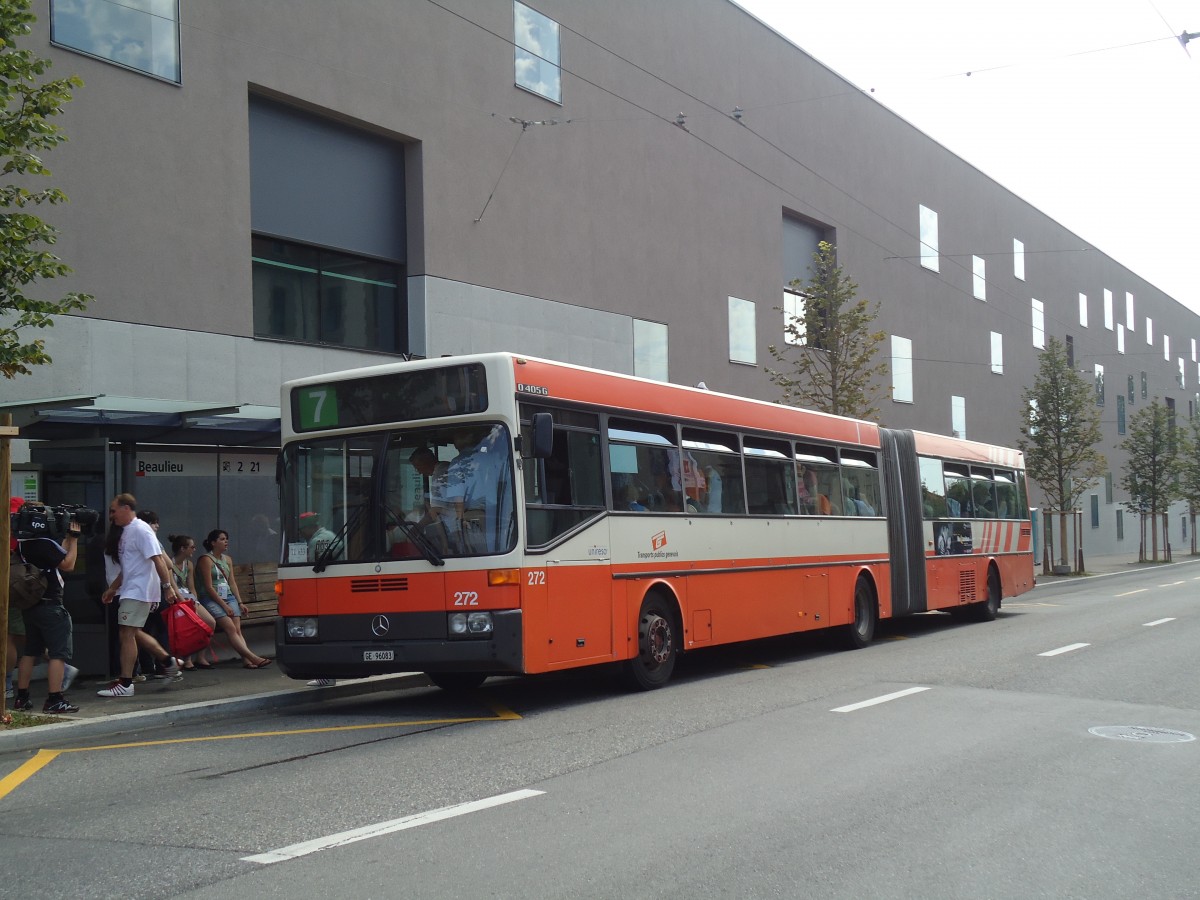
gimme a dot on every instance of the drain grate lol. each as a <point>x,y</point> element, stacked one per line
<point>1142,733</point>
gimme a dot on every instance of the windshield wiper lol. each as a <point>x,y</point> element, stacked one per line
<point>418,539</point>
<point>338,541</point>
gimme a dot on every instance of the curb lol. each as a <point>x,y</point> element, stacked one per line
<point>34,738</point>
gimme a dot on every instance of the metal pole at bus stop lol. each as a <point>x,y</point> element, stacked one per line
<point>7,433</point>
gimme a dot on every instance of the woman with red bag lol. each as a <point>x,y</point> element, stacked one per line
<point>183,573</point>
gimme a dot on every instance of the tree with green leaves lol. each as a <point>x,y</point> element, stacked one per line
<point>27,130</point>
<point>1152,469</point>
<point>1059,434</point>
<point>830,352</point>
<point>1189,473</point>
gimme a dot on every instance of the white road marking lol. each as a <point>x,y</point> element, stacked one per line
<point>1157,622</point>
<point>1131,593</point>
<point>1066,649</point>
<point>370,831</point>
<point>884,699</point>
<point>1173,584</point>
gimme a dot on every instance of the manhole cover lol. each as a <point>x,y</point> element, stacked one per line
<point>1142,733</point>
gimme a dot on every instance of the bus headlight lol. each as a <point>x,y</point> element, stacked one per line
<point>301,629</point>
<point>470,624</point>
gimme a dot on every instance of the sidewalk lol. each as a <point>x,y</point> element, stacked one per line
<point>228,688</point>
<point>1113,565</point>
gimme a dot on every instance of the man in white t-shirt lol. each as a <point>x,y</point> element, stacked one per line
<point>145,575</point>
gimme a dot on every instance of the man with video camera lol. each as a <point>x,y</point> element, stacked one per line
<point>47,624</point>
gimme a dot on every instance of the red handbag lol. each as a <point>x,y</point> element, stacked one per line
<point>186,631</point>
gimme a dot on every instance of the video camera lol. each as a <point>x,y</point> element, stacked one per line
<point>36,520</point>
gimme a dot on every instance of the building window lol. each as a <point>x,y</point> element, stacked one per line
<point>1167,347</point>
<point>142,35</point>
<point>997,353</point>
<point>1149,332</point>
<point>536,40</point>
<point>1099,385</point>
<point>1083,310</point>
<point>321,296</point>
<point>650,349</point>
<point>929,238</point>
<point>1120,338</point>
<point>1070,351</point>
<point>1120,525</point>
<point>958,417</point>
<point>1145,387</point>
<point>1182,375</point>
<point>1039,324</point>
<point>902,369</point>
<point>1130,388</point>
<point>1129,310</point>
<point>1018,259</point>
<point>1108,309</point>
<point>1120,414</point>
<point>793,318</point>
<point>743,344</point>
<point>978,277</point>
<point>1095,510</point>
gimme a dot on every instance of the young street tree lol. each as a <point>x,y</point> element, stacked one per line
<point>829,353</point>
<point>1059,434</point>
<point>26,130</point>
<point>1153,464</point>
<point>1189,475</point>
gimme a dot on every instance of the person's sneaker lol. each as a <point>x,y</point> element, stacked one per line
<point>69,674</point>
<point>171,672</point>
<point>138,679</point>
<point>9,693</point>
<point>322,682</point>
<point>22,704</point>
<point>60,706</point>
<point>116,689</point>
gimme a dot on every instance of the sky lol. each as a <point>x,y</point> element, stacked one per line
<point>1089,111</point>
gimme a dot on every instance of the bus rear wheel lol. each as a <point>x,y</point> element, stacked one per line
<point>456,681</point>
<point>861,631</point>
<point>987,610</point>
<point>658,647</point>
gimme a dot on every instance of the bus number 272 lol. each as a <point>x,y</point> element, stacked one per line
<point>466,598</point>
<point>536,576</point>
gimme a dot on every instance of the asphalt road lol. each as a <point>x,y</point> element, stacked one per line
<point>946,760</point>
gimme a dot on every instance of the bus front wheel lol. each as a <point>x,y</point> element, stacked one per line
<point>861,631</point>
<point>658,647</point>
<point>456,681</point>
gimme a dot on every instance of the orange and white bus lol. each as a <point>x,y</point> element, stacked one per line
<point>498,514</point>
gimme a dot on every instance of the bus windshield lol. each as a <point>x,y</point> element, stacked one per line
<point>431,493</point>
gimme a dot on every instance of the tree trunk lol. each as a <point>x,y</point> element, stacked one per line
<point>1062,533</point>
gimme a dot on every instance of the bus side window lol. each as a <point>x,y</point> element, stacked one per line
<point>933,496</point>
<point>770,477</point>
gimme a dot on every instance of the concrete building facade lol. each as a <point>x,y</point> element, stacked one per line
<point>266,190</point>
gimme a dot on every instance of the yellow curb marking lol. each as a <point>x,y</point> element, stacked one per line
<point>11,782</point>
<point>44,757</point>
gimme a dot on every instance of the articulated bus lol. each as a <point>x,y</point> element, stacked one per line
<point>499,514</point>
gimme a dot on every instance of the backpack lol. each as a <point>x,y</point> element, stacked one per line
<point>26,584</point>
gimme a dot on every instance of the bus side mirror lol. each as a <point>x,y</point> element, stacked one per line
<point>543,435</point>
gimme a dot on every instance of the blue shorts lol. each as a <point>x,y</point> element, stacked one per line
<point>218,612</point>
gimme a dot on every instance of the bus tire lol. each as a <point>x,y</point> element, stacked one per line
<point>861,631</point>
<point>658,646</point>
<point>456,681</point>
<point>986,610</point>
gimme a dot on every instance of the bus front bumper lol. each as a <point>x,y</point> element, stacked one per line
<point>358,646</point>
